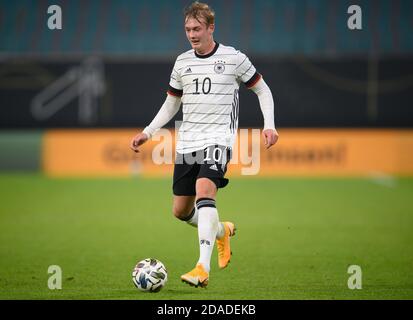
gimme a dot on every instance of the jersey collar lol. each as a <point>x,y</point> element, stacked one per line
<point>209,54</point>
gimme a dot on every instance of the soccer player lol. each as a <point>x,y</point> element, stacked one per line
<point>206,81</point>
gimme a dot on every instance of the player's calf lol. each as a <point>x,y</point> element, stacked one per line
<point>183,206</point>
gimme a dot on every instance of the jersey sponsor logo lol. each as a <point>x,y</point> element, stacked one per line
<point>219,67</point>
<point>188,70</point>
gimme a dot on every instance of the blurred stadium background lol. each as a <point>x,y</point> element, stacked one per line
<point>109,68</point>
<point>72,99</point>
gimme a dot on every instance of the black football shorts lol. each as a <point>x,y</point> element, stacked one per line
<point>210,163</point>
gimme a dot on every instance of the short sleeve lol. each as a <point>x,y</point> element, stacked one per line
<point>175,83</point>
<point>245,71</point>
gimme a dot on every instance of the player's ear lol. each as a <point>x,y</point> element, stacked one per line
<point>211,28</point>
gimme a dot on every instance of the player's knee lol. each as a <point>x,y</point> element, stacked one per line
<point>180,212</point>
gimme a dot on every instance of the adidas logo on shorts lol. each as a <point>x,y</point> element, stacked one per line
<point>213,167</point>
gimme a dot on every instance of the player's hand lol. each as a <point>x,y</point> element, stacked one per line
<point>138,140</point>
<point>270,137</point>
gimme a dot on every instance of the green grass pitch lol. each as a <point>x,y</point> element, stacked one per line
<point>295,240</point>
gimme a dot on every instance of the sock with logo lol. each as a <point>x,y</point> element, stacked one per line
<point>192,220</point>
<point>207,229</point>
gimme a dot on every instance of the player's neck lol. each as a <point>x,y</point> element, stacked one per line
<point>208,50</point>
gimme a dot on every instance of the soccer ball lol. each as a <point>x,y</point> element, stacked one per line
<point>149,275</point>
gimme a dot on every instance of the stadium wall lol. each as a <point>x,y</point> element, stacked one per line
<point>21,150</point>
<point>300,152</point>
<point>308,92</point>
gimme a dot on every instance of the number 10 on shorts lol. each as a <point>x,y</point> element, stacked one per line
<point>213,154</point>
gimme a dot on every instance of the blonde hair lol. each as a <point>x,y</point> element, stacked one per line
<point>198,10</point>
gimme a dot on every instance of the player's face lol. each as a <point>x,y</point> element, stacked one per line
<point>199,34</point>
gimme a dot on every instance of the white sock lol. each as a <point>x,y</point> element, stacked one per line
<point>193,221</point>
<point>193,218</point>
<point>221,230</point>
<point>207,230</point>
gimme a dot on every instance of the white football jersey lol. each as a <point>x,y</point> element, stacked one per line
<point>208,86</point>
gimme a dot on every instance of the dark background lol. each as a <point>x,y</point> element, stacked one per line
<point>321,73</point>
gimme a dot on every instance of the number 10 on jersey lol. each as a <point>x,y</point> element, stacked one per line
<point>206,85</point>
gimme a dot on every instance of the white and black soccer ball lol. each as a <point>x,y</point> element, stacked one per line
<point>149,275</point>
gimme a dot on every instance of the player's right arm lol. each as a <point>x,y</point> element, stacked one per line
<point>168,110</point>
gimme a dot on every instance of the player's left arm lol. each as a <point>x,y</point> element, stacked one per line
<point>264,94</point>
<point>245,72</point>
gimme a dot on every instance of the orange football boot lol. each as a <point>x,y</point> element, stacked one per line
<point>197,277</point>
<point>223,245</point>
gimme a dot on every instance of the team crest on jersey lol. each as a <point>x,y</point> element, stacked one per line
<point>219,67</point>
